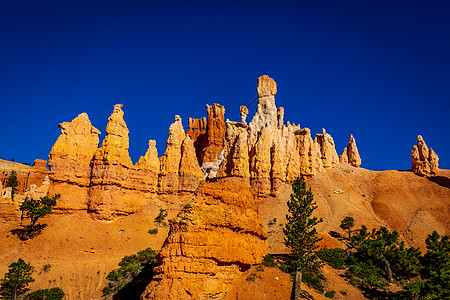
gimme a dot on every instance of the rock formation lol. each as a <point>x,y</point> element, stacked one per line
<point>70,162</point>
<point>350,155</point>
<point>276,153</point>
<point>33,182</point>
<point>170,162</point>
<point>190,172</point>
<point>243,114</point>
<point>211,242</point>
<point>208,134</point>
<point>117,186</point>
<point>327,149</point>
<point>425,162</point>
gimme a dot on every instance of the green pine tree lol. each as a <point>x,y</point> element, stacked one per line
<point>16,280</point>
<point>36,209</point>
<point>301,235</point>
<point>13,183</point>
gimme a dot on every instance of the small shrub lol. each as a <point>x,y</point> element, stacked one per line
<point>46,267</point>
<point>153,231</point>
<point>272,222</point>
<point>252,277</point>
<point>47,294</point>
<point>161,216</point>
<point>269,261</point>
<point>330,294</point>
<point>343,293</point>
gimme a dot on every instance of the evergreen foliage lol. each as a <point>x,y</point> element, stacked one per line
<point>301,235</point>
<point>36,209</point>
<point>55,293</point>
<point>16,280</point>
<point>159,220</point>
<point>13,183</point>
<point>434,282</point>
<point>130,267</point>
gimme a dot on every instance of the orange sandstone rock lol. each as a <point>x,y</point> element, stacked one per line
<point>327,149</point>
<point>190,172</point>
<point>425,162</point>
<point>208,134</point>
<point>70,163</point>
<point>211,242</point>
<point>170,162</point>
<point>350,155</point>
<point>118,187</point>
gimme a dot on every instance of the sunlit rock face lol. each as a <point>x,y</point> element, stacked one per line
<point>208,133</point>
<point>117,186</point>
<point>425,162</point>
<point>264,153</point>
<point>211,242</point>
<point>70,163</point>
<point>350,155</point>
<point>276,153</point>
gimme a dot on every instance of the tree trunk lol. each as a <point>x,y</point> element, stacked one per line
<point>297,285</point>
<point>387,267</point>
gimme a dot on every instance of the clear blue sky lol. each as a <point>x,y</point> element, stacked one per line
<point>380,71</point>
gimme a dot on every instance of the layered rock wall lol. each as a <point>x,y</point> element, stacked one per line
<point>208,133</point>
<point>211,242</point>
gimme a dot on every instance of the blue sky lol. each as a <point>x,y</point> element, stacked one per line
<point>379,70</point>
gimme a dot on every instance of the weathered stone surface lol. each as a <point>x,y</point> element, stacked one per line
<point>196,128</point>
<point>350,155</point>
<point>211,242</point>
<point>236,159</point>
<point>116,143</point>
<point>117,187</point>
<point>425,162</point>
<point>327,149</point>
<point>170,162</point>
<point>33,183</point>
<point>70,163</point>
<point>243,110</point>
<point>208,134</point>
<point>190,172</point>
<point>71,155</point>
<point>276,152</point>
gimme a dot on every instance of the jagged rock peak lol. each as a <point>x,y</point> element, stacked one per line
<point>170,162</point>
<point>190,172</point>
<point>327,148</point>
<point>350,155</point>
<point>215,111</point>
<point>425,162</point>
<point>71,155</point>
<point>150,160</point>
<point>116,143</point>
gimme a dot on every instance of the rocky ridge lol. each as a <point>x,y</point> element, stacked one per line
<point>265,153</point>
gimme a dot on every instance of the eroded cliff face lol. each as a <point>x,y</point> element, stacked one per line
<point>211,242</point>
<point>33,183</point>
<point>208,133</point>
<point>425,162</point>
<point>70,162</point>
<point>270,153</point>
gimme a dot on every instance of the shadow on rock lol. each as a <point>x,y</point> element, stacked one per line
<point>28,232</point>
<point>441,180</point>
